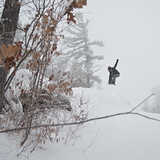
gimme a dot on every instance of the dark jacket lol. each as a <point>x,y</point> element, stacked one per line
<point>113,70</point>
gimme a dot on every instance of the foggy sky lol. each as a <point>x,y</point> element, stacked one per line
<point>130,31</point>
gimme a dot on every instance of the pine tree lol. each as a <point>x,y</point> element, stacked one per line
<point>153,105</point>
<point>80,57</point>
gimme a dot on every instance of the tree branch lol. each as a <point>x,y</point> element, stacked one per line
<point>142,102</point>
<point>88,120</point>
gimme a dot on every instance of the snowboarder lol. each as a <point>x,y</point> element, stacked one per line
<point>113,73</point>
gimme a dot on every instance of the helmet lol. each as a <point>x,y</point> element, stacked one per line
<point>109,68</point>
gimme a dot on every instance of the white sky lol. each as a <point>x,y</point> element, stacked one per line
<point>130,30</point>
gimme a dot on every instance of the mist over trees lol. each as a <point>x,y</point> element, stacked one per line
<point>27,92</point>
<point>44,52</point>
<point>79,54</point>
<point>42,25</point>
<point>153,105</point>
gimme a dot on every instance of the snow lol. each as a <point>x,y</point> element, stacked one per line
<point>125,137</point>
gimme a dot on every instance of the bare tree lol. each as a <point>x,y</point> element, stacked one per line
<point>42,20</point>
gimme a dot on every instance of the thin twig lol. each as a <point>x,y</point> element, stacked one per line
<point>91,142</point>
<point>142,115</point>
<point>88,120</point>
<point>142,102</point>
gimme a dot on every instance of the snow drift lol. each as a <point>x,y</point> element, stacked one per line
<point>125,137</point>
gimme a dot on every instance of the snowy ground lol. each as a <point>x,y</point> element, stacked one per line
<point>127,137</point>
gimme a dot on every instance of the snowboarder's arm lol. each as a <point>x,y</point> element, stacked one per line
<point>116,63</point>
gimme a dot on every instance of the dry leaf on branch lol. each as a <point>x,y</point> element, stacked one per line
<point>70,18</point>
<point>50,29</point>
<point>9,51</point>
<point>79,3</point>
<point>51,77</point>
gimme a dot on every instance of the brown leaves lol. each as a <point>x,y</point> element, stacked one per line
<point>75,4</point>
<point>9,51</point>
<point>51,77</point>
<point>45,19</point>
<point>36,55</point>
<point>48,22</point>
<point>9,63</point>
<point>27,27</point>
<point>50,29</point>
<point>60,84</point>
<point>32,64</point>
<point>10,54</point>
<point>70,17</point>
<point>79,3</point>
<point>54,46</point>
<point>61,87</point>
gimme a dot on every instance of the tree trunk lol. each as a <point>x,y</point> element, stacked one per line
<point>87,70</point>
<point>8,26</point>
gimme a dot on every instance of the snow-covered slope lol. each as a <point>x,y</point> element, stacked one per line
<point>127,137</point>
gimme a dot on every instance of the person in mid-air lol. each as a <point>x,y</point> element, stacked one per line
<point>113,73</point>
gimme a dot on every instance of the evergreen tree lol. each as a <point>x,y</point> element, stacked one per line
<point>79,56</point>
<point>153,105</point>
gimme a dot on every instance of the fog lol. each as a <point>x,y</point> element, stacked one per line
<point>130,31</point>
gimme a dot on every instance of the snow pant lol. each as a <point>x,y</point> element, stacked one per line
<point>112,78</point>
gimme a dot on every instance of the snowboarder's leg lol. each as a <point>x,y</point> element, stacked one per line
<point>110,79</point>
<point>114,78</point>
